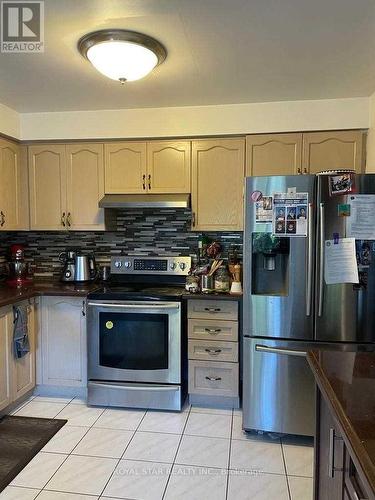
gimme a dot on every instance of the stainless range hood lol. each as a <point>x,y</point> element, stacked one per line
<point>145,201</point>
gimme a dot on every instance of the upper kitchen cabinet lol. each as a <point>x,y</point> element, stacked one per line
<point>66,183</point>
<point>333,150</point>
<point>125,167</point>
<point>168,166</point>
<point>218,167</point>
<point>273,154</point>
<point>14,208</point>
<point>85,186</point>
<point>152,167</point>
<point>47,185</point>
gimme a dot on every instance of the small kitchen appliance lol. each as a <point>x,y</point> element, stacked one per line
<point>77,267</point>
<point>18,268</point>
<point>136,350</point>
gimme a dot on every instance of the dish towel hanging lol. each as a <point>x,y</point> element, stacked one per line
<point>20,333</point>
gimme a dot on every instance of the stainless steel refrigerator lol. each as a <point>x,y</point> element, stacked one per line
<point>287,306</point>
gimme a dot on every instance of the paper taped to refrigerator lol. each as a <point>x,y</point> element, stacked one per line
<point>340,262</point>
<point>361,223</point>
<point>290,214</point>
<point>263,210</point>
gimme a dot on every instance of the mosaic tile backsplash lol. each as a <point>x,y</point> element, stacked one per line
<point>138,232</point>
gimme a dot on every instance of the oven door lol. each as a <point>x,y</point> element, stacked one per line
<point>134,341</point>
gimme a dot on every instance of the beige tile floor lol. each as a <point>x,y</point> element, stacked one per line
<point>199,454</point>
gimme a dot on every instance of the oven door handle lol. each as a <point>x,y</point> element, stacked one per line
<point>146,387</point>
<point>146,305</point>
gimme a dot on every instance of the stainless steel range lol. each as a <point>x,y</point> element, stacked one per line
<point>135,349</point>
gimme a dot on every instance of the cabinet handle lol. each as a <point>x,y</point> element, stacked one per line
<point>63,219</point>
<point>213,352</point>
<point>69,219</point>
<point>331,455</point>
<point>144,181</point>
<point>212,309</point>
<point>83,308</point>
<point>193,219</point>
<point>213,379</point>
<point>2,218</point>
<point>213,331</point>
<point>305,170</point>
<point>299,171</point>
<point>149,181</point>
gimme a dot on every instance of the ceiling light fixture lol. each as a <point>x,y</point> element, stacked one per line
<point>121,54</point>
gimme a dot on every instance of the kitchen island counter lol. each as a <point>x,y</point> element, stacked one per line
<point>346,381</point>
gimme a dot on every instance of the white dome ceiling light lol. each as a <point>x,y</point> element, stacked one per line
<point>122,55</point>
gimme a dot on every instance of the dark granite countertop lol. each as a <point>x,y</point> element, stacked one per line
<point>209,296</point>
<point>10,295</point>
<point>347,382</point>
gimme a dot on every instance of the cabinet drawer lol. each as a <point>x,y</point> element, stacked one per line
<point>207,350</point>
<point>203,329</point>
<point>220,309</point>
<point>212,378</point>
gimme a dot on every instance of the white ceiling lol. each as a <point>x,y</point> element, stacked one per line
<point>219,51</point>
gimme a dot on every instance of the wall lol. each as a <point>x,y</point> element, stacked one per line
<point>139,232</point>
<point>328,114</point>
<point>370,149</point>
<point>9,122</point>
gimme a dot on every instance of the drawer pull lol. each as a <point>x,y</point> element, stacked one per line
<point>213,331</point>
<point>331,454</point>
<point>213,379</point>
<point>213,352</point>
<point>212,309</point>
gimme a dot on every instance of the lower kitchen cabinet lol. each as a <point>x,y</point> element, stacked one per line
<point>336,475</point>
<point>17,375</point>
<point>63,342</point>
<point>5,359</point>
<point>213,352</point>
<point>24,368</point>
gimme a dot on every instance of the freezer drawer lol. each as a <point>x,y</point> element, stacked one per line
<point>278,389</point>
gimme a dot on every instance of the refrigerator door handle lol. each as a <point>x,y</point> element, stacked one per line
<point>321,260</point>
<point>280,350</point>
<point>309,279</point>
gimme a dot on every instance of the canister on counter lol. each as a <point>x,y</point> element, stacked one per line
<point>222,279</point>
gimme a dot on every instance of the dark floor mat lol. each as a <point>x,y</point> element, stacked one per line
<point>20,440</point>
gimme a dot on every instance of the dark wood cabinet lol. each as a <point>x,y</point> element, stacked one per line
<point>336,475</point>
<point>329,455</point>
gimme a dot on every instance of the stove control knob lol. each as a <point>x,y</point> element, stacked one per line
<point>127,264</point>
<point>173,266</point>
<point>182,266</point>
<point>118,264</point>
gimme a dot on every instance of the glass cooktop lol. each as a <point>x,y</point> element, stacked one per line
<point>137,292</point>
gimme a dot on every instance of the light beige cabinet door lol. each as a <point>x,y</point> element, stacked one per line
<point>273,154</point>
<point>23,379</point>
<point>5,358</point>
<point>168,166</point>
<point>85,186</point>
<point>333,150</point>
<point>125,167</point>
<point>13,187</point>
<point>63,342</point>
<point>218,167</point>
<point>47,186</point>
